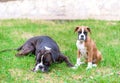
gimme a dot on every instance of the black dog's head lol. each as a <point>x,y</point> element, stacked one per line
<point>44,60</point>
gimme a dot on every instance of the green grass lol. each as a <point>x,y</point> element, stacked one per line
<point>13,33</point>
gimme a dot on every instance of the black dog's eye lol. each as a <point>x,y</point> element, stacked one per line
<point>46,63</point>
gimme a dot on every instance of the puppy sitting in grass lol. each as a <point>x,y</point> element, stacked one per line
<point>86,48</point>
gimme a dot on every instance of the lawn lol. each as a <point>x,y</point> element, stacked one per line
<point>14,33</point>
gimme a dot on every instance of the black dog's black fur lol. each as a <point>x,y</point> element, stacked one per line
<point>36,45</point>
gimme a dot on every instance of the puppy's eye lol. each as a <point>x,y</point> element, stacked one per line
<point>85,32</point>
<point>80,32</point>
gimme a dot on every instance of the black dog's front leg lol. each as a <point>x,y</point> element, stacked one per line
<point>37,59</point>
<point>64,58</point>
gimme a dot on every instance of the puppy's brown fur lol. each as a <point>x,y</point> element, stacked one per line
<point>93,54</point>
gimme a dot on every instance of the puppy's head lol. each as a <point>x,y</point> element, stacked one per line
<point>44,62</point>
<point>82,32</point>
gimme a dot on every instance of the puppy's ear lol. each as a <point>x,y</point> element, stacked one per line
<point>89,30</point>
<point>76,29</point>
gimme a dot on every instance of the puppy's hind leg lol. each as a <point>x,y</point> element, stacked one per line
<point>64,58</point>
<point>99,56</point>
<point>97,59</point>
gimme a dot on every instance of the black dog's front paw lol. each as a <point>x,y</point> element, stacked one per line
<point>33,70</point>
<point>70,65</point>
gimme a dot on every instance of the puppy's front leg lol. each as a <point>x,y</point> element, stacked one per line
<point>90,57</point>
<point>78,62</point>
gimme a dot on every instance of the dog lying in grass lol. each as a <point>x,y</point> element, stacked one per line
<point>46,52</point>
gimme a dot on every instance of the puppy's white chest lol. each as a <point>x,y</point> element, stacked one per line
<point>82,48</point>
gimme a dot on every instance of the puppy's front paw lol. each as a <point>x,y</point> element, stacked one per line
<point>89,66</point>
<point>78,64</point>
<point>82,63</point>
<point>94,65</point>
<point>75,67</point>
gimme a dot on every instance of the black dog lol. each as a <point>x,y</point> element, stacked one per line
<point>46,51</point>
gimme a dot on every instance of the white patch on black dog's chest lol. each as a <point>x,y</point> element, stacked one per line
<point>47,48</point>
<point>82,48</point>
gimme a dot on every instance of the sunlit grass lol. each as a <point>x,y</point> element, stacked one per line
<point>13,33</point>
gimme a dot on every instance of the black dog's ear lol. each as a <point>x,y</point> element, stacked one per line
<point>47,52</point>
<point>89,30</point>
<point>42,51</point>
<point>76,29</point>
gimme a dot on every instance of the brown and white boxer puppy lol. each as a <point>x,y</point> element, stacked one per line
<point>86,48</point>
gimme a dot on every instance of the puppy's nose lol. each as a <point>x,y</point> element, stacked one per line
<point>82,35</point>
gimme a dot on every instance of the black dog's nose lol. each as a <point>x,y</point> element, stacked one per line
<point>40,67</point>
